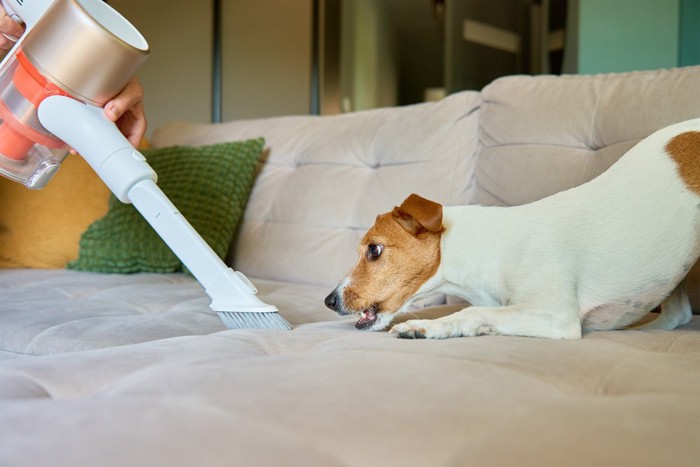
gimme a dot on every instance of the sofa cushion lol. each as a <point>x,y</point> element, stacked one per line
<point>57,311</point>
<point>540,135</point>
<point>325,179</point>
<point>151,379</point>
<point>209,185</point>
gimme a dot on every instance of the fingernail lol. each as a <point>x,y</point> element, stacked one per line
<point>10,37</point>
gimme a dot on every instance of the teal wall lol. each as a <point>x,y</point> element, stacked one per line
<point>626,35</point>
<point>689,53</point>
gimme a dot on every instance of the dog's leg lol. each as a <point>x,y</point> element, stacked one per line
<point>533,320</point>
<point>675,310</point>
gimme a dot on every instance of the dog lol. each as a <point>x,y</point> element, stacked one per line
<point>599,256</point>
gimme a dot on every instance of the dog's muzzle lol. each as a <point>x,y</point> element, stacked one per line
<point>367,319</point>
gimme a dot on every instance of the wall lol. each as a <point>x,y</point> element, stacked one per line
<point>266,57</point>
<point>177,75</point>
<point>266,51</point>
<point>689,53</point>
<point>368,56</point>
<point>626,35</point>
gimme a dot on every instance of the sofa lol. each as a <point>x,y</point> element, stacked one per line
<point>100,369</point>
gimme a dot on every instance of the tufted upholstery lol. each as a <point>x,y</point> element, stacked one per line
<point>57,311</point>
<point>327,178</point>
<point>531,136</point>
<point>544,134</point>
<point>325,395</point>
<point>115,370</point>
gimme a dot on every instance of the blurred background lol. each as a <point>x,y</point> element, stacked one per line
<point>219,60</point>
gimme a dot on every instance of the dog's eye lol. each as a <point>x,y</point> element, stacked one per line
<point>374,251</point>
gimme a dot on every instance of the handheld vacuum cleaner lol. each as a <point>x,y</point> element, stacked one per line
<point>73,58</point>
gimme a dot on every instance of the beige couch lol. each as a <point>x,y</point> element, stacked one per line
<point>117,370</point>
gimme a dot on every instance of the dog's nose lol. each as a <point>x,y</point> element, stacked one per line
<point>331,301</point>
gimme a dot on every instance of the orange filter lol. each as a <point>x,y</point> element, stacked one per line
<point>20,130</point>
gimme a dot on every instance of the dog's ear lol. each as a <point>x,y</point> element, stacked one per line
<point>417,215</point>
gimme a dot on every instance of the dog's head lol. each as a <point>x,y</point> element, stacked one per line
<point>397,255</point>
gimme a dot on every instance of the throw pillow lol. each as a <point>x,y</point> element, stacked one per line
<point>40,229</point>
<point>208,184</point>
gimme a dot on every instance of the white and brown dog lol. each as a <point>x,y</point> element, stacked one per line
<point>595,257</point>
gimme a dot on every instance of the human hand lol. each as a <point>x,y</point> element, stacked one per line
<point>127,111</point>
<point>8,27</point>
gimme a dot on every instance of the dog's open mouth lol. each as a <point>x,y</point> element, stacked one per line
<point>367,318</point>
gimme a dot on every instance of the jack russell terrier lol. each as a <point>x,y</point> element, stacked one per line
<point>595,257</point>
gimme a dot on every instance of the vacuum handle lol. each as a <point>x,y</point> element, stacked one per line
<point>98,140</point>
<point>126,172</point>
<point>229,290</point>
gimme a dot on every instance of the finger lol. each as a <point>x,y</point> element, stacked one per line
<point>9,26</point>
<point>5,43</point>
<point>10,31</point>
<point>136,137</point>
<point>137,125</point>
<point>133,124</point>
<point>131,95</point>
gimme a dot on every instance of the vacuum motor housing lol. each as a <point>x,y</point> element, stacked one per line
<point>83,49</point>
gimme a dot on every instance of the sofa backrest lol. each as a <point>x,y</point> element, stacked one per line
<point>325,179</point>
<point>541,135</point>
<point>522,138</point>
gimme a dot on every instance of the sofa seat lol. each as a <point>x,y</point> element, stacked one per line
<point>134,382</point>
<point>57,311</point>
<point>117,370</point>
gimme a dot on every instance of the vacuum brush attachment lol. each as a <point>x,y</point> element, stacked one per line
<point>233,295</point>
<point>127,174</point>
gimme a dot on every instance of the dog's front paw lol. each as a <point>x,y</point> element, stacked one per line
<point>407,331</point>
<point>420,329</point>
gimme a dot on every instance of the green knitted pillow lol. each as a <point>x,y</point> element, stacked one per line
<point>208,184</point>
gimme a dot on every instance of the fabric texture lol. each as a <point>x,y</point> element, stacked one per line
<point>325,179</point>
<point>208,184</point>
<point>116,370</point>
<point>541,135</point>
<point>41,228</point>
<point>99,362</point>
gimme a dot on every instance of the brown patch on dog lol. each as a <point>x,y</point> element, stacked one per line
<point>409,238</point>
<point>684,149</point>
